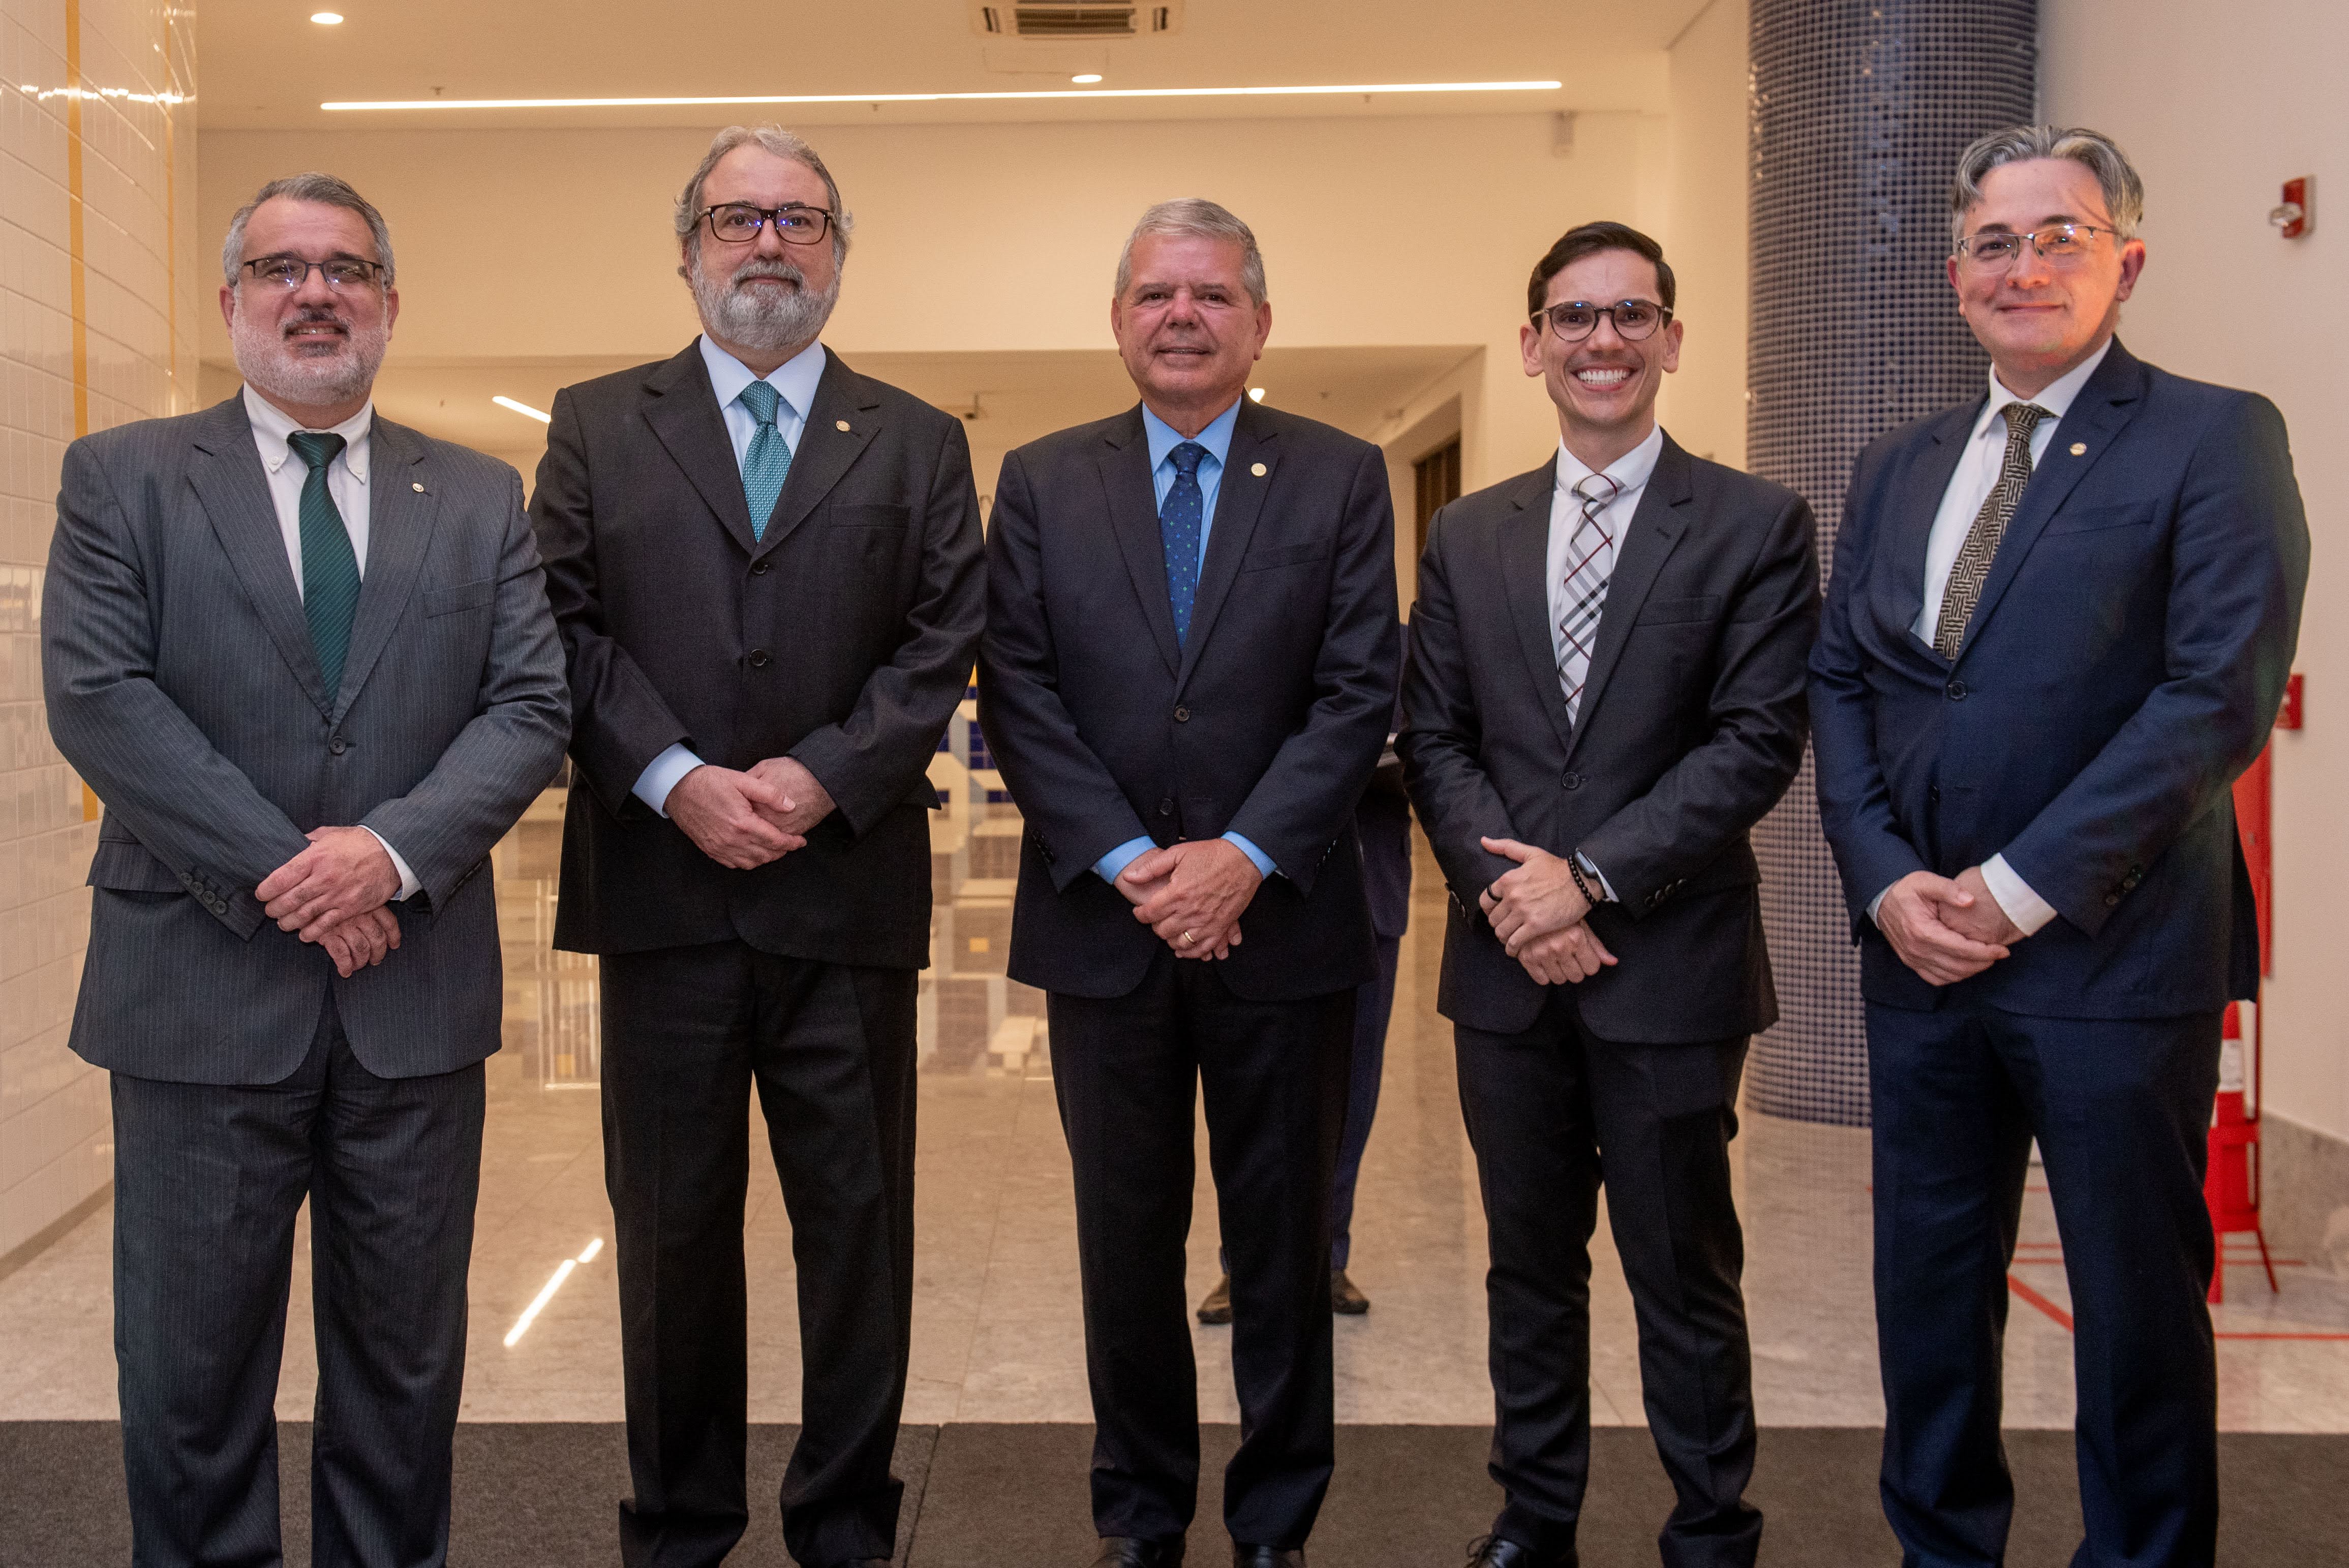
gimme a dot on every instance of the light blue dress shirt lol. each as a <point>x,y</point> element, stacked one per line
<point>1164,438</point>
<point>794,380</point>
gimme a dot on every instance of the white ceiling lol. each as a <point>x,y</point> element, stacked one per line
<point>262,64</point>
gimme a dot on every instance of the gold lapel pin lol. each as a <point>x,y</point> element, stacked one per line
<point>2079,448</point>
<point>840,424</point>
<point>419,486</point>
<point>1257,469</point>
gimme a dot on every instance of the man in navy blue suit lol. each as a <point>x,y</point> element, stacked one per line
<point>2058,627</point>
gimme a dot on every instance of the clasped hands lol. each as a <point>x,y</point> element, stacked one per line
<point>336,893</point>
<point>1541,917</point>
<point>1191,895</point>
<point>1946,928</point>
<point>743,820</point>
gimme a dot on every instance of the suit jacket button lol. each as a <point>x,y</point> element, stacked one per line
<point>2112,900</point>
<point>760,568</point>
<point>1573,780</point>
<point>1933,793</point>
<point>759,659</point>
<point>1181,716</point>
<point>338,746</point>
<point>1955,691</point>
<point>1166,807</point>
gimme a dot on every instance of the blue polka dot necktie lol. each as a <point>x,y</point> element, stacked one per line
<point>330,567</point>
<point>1180,520</point>
<point>769,459</point>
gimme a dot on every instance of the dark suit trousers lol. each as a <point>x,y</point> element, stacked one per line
<point>686,1032</point>
<point>1549,1111</point>
<point>1274,1078</point>
<point>208,1179</point>
<point>2121,1108</point>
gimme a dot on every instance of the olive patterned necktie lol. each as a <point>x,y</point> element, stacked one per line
<point>1971,568</point>
<point>330,567</point>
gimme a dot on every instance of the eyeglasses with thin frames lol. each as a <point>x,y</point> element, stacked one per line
<point>2059,245</point>
<point>1575,319</point>
<point>795,222</point>
<point>290,272</point>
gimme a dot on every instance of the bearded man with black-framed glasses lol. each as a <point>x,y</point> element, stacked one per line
<point>766,569</point>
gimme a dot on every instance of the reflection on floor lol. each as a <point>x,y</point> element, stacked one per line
<point>997,1334</point>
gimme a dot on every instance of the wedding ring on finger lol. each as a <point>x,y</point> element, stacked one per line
<point>1188,939</point>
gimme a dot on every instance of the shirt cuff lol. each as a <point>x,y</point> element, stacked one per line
<point>1117,859</point>
<point>408,886</point>
<point>1874,905</point>
<point>1591,868</point>
<point>1262,862</point>
<point>2025,908</point>
<point>661,776</point>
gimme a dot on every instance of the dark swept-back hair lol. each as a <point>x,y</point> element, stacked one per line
<point>1588,240</point>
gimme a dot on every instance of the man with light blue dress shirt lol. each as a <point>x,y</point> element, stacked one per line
<point>1188,674</point>
<point>767,571</point>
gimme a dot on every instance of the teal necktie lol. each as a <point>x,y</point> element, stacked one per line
<point>330,567</point>
<point>769,459</point>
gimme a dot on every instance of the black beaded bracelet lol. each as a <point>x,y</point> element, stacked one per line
<point>1574,867</point>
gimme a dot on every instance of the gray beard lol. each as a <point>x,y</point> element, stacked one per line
<point>276,368</point>
<point>768,320</point>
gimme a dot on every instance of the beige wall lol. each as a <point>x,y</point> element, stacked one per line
<point>2225,299</point>
<point>95,328</point>
<point>543,243</point>
<point>1704,231</point>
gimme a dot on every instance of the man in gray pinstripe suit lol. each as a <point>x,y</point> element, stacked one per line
<point>304,655</point>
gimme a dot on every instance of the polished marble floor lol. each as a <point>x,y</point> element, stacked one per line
<point>997,1330</point>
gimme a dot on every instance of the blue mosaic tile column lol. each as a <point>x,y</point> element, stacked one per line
<point>1859,110</point>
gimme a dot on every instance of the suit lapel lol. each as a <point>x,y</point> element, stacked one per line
<point>682,409</point>
<point>1133,519</point>
<point>1902,585</point>
<point>1239,502</point>
<point>233,489</point>
<point>401,520</point>
<point>1657,524</point>
<point>2106,403</point>
<point>1523,539</point>
<point>838,428</point>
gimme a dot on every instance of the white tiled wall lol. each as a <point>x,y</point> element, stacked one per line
<point>140,279</point>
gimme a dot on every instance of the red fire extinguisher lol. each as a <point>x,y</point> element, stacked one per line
<point>2231,1186</point>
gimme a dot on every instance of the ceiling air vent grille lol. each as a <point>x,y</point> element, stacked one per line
<point>1075,18</point>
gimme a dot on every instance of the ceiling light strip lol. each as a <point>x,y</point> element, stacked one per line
<point>1025,97</point>
<point>523,409</point>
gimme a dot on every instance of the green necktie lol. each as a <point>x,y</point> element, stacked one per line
<point>769,459</point>
<point>330,567</point>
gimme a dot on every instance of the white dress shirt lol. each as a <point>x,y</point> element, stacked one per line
<point>794,381</point>
<point>1630,473</point>
<point>1969,485</point>
<point>346,482</point>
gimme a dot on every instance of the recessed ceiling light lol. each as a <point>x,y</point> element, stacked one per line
<point>1255,394</point>
<point>1087,79</point>
<point>327,18</point>
<point>524,410</point>
<point>1311,91</point>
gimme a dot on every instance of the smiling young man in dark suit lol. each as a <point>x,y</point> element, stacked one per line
<point>767,571</point>
<point>2059,627</point>
<point>1186,679</point>
<point>1605,694</point>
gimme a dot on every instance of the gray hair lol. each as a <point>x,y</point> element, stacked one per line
<point>327,191</point>
<point>2098,153</point>
<point>1196,218</point>
<point>782,144</point>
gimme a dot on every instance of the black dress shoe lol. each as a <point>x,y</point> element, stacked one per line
<point>1492,1552</point>
<point>1133,1551</point>
<point>1217,1307</point>
<point>1267,1556</point>
<point>1346,1298</point>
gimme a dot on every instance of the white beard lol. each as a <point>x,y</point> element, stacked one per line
<point>768,320</point>
<point>310,371</point>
